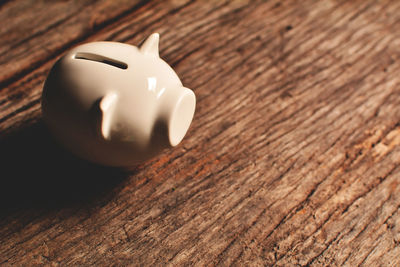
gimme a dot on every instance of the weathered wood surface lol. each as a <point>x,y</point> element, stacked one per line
<point>292,158</point>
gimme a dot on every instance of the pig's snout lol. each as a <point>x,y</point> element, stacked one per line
<point>176,112</point>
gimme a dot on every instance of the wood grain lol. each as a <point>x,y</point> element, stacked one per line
<point>292,158</point>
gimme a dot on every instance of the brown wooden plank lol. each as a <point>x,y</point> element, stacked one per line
<point>36,31</point>
<point>292,157</point>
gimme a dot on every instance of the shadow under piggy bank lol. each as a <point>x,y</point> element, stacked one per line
<point>37,173</point>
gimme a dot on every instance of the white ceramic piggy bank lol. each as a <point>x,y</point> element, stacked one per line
<point>116,104</point>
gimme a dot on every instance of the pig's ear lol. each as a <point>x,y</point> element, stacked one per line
<point>150,46</point>
<point>106,107</point>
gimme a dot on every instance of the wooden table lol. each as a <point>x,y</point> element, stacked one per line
<point>292,157</point>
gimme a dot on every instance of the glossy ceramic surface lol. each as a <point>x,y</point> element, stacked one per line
<point>116,104</point>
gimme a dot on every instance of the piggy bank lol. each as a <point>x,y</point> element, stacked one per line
<point>116,104</point>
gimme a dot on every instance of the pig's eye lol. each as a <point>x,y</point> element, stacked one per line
<point>101,59</point>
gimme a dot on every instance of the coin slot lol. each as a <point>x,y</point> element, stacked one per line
<point>101,59</point>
